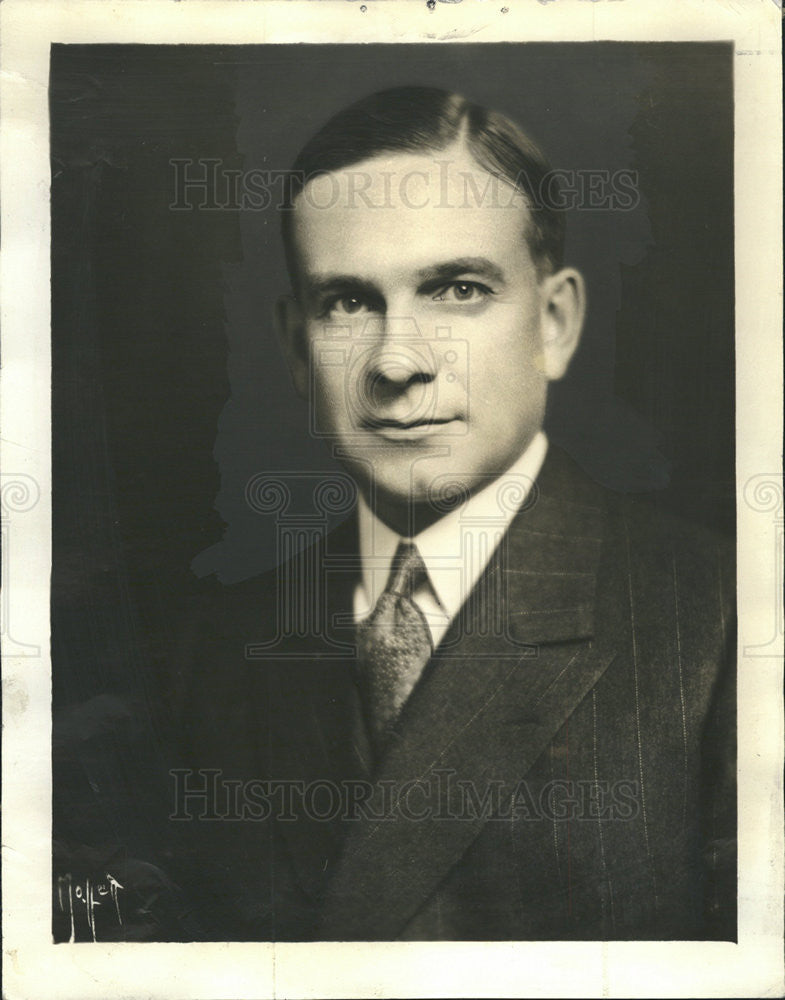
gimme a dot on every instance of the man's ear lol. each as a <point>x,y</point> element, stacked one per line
<point>290,327</point>
<point>563,305</point>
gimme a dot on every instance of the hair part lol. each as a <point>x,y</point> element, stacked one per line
<point>420,119</point>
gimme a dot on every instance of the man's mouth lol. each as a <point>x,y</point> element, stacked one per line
<point>403,430</point>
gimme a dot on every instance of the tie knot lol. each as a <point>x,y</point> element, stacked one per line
<point>407,572</point>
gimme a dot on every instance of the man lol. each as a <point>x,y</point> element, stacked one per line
<point>497,702</point>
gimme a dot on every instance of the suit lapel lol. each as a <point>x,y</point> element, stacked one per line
<point>317,736</point>
<point>484,710</point>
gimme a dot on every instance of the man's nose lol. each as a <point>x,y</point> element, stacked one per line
<point>399,355</point>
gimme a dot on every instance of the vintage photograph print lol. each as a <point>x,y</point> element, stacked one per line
<point>393,489</point>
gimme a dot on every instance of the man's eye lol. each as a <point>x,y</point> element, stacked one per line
<point>462,291</point>
<point>349,305</point>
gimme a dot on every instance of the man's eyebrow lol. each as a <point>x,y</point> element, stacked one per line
<point>449,269</point>
<point>323,284</point>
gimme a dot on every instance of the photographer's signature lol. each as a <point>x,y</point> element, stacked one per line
<point>76,896</point>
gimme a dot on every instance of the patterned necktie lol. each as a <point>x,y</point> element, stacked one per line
<point>393,644</point>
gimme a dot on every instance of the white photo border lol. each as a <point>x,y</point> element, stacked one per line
<point>34,966</point>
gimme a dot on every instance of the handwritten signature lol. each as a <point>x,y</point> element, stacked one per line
<point>83,897</point>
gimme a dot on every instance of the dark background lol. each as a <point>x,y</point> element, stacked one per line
<point>167,387</point>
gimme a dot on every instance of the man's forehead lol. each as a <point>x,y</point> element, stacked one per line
<point>408,207</point>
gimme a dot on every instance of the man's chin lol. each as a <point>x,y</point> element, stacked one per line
<point>410,511</point>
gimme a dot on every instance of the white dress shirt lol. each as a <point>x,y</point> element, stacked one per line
<point>455,549</point>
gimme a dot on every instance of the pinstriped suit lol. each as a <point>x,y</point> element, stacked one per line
<point>582,751</point>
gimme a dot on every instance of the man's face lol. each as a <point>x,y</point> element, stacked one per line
<point>420,319</point>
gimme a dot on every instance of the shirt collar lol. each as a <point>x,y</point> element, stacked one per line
<point>456,548</point>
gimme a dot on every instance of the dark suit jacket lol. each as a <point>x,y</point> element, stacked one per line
<point>578,722</point>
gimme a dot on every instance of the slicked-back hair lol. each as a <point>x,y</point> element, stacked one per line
<point>426,119</point>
